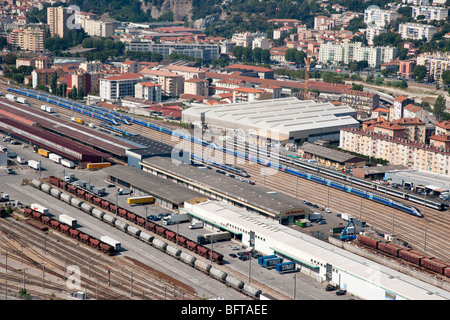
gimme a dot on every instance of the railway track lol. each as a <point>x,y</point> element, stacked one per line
<point>29,248</point>
<point>428,234</point>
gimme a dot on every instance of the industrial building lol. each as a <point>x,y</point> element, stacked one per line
<point>146,148</point>
<point>286,119</point>
<point>166,193</point>
<point>324,261</point>
<point>72,131</point>
<point>431,182</point>
<point>78,153</point>
<point>258,199</point>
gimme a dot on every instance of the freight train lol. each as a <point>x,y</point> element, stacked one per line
<point>43,221</point>
<point>167,247</point>
<point>406,254</point>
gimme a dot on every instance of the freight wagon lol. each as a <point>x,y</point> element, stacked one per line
<point>116,244</point>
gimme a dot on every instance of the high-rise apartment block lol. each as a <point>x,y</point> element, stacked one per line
<point>57,20</point>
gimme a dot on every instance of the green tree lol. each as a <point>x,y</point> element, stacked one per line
<point>445,76</point>
<point>439,107</point>
<point>238,51</point>
<point>420,72</point>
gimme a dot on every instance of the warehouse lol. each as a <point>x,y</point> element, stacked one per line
<point>286,119</point>
<point>258,199</point>
<point>166,193</point>
<point>76,132</point>
<point>146,148</point>
<point>78,153</point>
<point>323,261</point>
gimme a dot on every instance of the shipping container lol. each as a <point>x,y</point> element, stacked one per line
<point>10,97</point>
<point>285,267</point>
<point>39,208</point>
<point>67,220</point>
<point>44,152</point>
<point>272,262</point>
<point>22,100</point>
<point>140,200</point>
<point>67,163</point>
<point>55,158</point>
<point>116,244</point>
<point>261,259</point>
<point>100,165</point>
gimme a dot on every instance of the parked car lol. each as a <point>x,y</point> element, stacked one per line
<point>341,292</point>
<point>233,255</point>
<point>330,287</point>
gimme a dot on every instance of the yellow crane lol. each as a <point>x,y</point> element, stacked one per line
<point>306,93</point>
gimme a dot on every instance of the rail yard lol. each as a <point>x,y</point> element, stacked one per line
<point>45,256</point>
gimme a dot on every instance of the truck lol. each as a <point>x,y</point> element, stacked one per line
<point>91,125</point>
<point>67,163</point>
<point>196,225</point>
<point>22,100</point>
<point>98,191</point>
<point>34,164</point>
<point>116,244</point>
<point>123,191</point>
<point>140,200</point>
<point>64,218</point>
<point>98,165</point>
<point>39,208</point>
<point>213,237</point>
<point>272,262</point>
<point>10,97</point>
<point>55,158</point>
<point>285,267</point>
<point>4,197</point>
<point>44,152</point>
<point>21,160</point>
<point>176,218</point>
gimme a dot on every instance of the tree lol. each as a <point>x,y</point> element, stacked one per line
<point>238,51</point>
<point>54,85</point>
<point>445,76</point>
<point>357,87</point>
<point>420,72</point>
<point>439,107</point>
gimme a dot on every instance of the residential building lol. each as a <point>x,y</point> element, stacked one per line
<point>245,39</point>
<point>430,12</point>
<point>57,20</point>
<point>406,68</point>
<point>29,38</point>
<point>416,31</point>
<point>375,17</point>
<point>398,107</point>
<point>436,63</point>
<point>443,128</point>
<point>205,51</point>
<point>79,79</point>
<point>372,32</point>
<point>94,27</point>
<point>198,87</point>
<point>413,111</point>
<point>43,77</point>
<point>129,67</point>
<point>172,84</point>
<point>262,43</point>
<point>187,72</point>
<point>323,23</point>
<point>285,22</point>
<point>118,86</point>
<point>397,151</point>
<point>361,100</point>
<point>26,62</point>
<point>414,129</point>
<point>251,71</point>
<point>148,91</point>
<point>347,52</point>
<point>43,62</point>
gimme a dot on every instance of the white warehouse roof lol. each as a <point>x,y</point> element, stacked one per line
<point>285,117</point>
<point>360,276</point>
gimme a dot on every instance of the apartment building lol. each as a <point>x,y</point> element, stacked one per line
<point>195,86</point>
<point>172,84</point>
<point>346,52</point>
<point>205,51</point>
<point>416,31</point>
<point>43,77</point>
<point>443,128</point>
<point>430,12</point>
<point>361,101</point>
<point>57,20</point>
<point>129,67</point>
<point>119,86</point>
<point>245,39</point>
<point>92,26</point>
<point>398,107</point>
<point>28,38</point>
<point>79,79</point>
<point>436,63</point>
<point>323,23</point>
<point>397,151</point>
<point>148,90</point>
<point>244,94</point>
<point>375,17</point>
<point>187,72</point>
<point>372,32</point>
<point>414,129</point>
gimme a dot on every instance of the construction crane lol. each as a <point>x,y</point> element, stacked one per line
<point>306,93</point>
<point>346,234</point>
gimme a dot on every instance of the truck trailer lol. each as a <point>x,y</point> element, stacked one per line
<point>99,165</point>
<point>196,225</point>
<point>22,100</point>
<point>176,218</point>
<point>39,208</point>
<point>116,244</point>
<point>55,158</point>
<point>34,164</point>
<point>67,220</point>
<point>213,237</point>
<point>67,163</point>
<point>140,200</point>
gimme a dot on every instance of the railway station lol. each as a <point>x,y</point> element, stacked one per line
<point>322,260</point>
<point>209,183</point>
